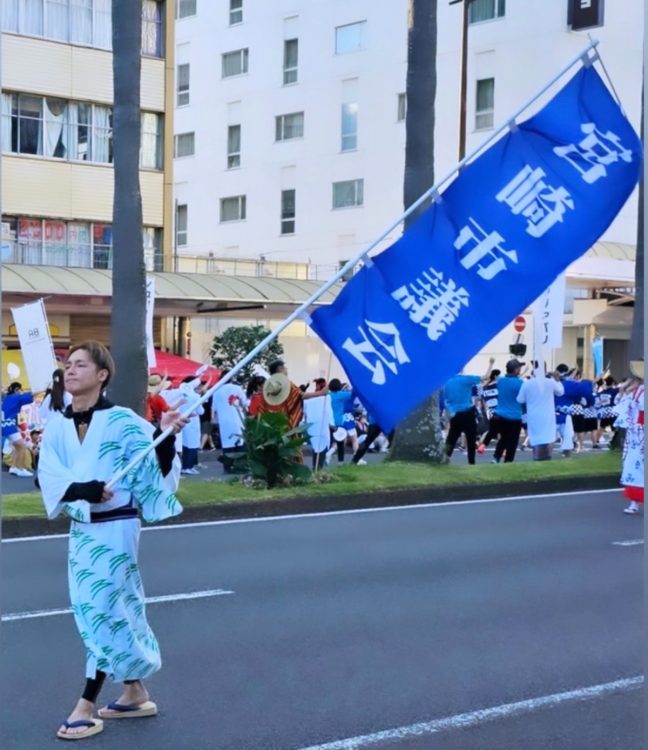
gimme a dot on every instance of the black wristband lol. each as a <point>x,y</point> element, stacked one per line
<point>165,451</point>
<point>91,491</point>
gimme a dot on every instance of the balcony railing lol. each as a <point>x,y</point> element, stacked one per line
<point>69,256</point>
<point>100,257</point>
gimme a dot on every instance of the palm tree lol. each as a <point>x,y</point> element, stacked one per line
<point>418,437</point>
<point>637,331</point>
<point>128,325</point>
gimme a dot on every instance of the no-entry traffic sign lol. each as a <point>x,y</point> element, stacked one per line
<point>519,323</point>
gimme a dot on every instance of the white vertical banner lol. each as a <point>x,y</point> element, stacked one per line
<point>150,302</point>
<point>548,313</point>
<point>35,344</point>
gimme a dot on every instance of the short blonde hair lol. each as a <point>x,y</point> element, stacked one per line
<point>99,355</point>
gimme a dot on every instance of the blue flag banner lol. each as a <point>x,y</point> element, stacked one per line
<point>497,237</point>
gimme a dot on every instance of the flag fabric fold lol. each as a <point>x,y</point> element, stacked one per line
<point>507,226</point>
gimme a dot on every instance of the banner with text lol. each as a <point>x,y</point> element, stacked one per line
<point>150,304</point>
<point>498,236</point>
<point>548,316</point>
<point>35,344</point>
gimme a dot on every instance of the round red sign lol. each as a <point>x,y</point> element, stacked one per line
<point>519,323</point>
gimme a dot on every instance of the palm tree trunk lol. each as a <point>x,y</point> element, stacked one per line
<point>637,331</point>
<point>128,326</point>
<point>418,437</point>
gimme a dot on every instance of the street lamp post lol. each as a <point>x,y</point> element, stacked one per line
<point>464,76</point>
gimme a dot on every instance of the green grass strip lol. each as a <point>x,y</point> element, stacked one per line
<point>350,480</point>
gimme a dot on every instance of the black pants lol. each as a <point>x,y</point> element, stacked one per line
<point>466,422</point>
<point>373,430</point>
<point>509,436</point>
<point>319,460</point>
<point>493,430</point>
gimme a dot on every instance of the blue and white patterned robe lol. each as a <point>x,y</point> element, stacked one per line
<point>105,587</point>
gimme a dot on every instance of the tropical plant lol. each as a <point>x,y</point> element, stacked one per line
<point>418,437</point>
<point>229,348</point>
<point>128,321</point>
<point>273,451</point>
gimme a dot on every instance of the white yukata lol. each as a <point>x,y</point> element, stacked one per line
<point>318,415</point>
<point>538,395</point>
<point>105,588</point>
<point>229,414</point>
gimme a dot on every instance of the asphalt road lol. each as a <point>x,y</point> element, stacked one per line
<point>348,625</point>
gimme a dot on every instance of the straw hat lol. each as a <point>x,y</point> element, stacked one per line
<point>637,368</point>
<point>154,383</point>
<point>276,389</point>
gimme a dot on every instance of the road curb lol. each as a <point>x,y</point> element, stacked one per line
<point>18,527</point>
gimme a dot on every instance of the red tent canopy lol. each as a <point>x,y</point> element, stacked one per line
<point>178,368</point>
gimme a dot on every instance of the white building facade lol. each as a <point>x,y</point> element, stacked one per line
<point>290,127</point>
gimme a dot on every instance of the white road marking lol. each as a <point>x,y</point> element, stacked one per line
<point>628,543</point>
<point>13,616</point>
<point>474,718</point>
<point>324,514</point>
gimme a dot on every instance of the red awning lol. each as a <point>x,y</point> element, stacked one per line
<point>178,368</point>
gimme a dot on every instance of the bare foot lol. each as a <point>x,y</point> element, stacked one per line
<point>134,693</point>
<point>83,710</point>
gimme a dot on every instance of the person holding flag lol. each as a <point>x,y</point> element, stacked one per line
<point>82,449</point>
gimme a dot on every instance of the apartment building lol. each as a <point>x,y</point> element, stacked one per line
<point>57,174</point>
<point>290,132</point>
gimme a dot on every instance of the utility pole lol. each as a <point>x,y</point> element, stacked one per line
<point>464,75</point>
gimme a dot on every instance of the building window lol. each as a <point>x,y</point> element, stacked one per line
<point>24,114</point>
<point>181,224</point>
<point>290,60</point>
<point>233,146</point>
<point>76,21</point>
<point>185,8</point>
<point>235,63</point>
<point>75,131</point>
<point>151,149</point>
<point>185,144</point>
<point>232,209</point>
<point>350,38</point>
<point>79,244</point>
<point>401,110</point>
<point>182,85</point>
<point>486,10</point>
<point>235,12</point>
<point>485,104</point>
<point>349,127</point>
<point>102,246</point>
<point>348,193</point>
<point>288,211</point>
<point>152,28</point>
<point>289,126</point>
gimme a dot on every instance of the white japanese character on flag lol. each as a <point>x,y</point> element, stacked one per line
<point>528,194</point>
<point>432,302</point>
<point>597,150</point>
<point>486,251</point>
<point>380,347</point>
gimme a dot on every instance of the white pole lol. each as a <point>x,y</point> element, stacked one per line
<point>299,312</point>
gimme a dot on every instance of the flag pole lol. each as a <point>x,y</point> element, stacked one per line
<point>300,311</point>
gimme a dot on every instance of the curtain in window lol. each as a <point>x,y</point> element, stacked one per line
<point>149,152</point>
<point>31,17</point>
<point>55,121</point>
<point>151,28</point>
<point>79,247</point>
<point>6,123</point>
<point>55,246</point>
<point>101,150</point>
<point>103,23</point>
<point>9,15</point>
<point>81,21</point>
<point>56,19</point>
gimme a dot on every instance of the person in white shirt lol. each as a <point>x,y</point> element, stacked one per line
<point>537,394</point>
<point>229,404</point>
